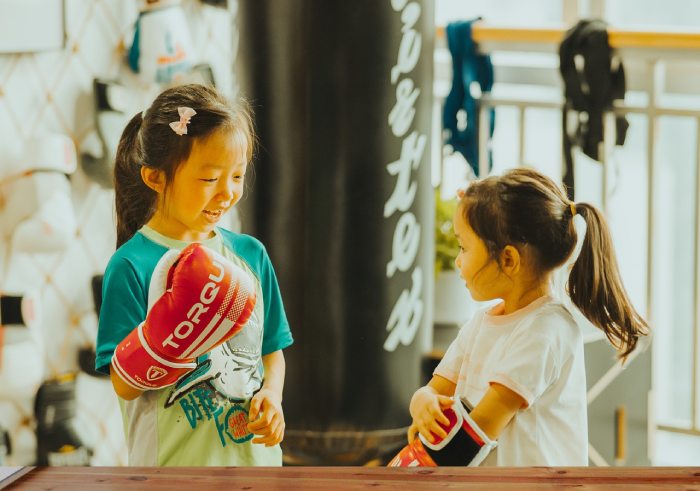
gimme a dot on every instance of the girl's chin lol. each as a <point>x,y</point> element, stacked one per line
<point>476,296</point>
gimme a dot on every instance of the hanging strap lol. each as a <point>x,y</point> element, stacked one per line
<point>467,67</point>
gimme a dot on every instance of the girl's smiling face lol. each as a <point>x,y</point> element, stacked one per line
<point>203,188</point>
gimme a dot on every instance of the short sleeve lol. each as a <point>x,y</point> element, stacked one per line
<point>124,303</point>
<point>276,332</point>
<point>529,365</point>
<point>451,364</point>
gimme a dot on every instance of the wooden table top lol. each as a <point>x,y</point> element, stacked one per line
<point>336,478</point>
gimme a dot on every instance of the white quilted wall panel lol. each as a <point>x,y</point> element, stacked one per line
<point>51,92</point>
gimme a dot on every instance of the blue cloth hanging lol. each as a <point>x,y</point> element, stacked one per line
<point>467,66</point>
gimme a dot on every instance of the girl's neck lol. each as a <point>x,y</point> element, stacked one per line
<point>163,228</point>
<point>524,294</point>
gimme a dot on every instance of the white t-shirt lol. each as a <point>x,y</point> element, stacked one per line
<point>536,352</point>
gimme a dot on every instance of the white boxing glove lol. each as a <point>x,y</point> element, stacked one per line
<point>21,351</point>
<point>162,47</point>
<point>36,209</point>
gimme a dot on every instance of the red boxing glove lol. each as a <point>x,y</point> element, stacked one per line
<point>198,300</point>
<point>465,444</point>
<point>412,455</point>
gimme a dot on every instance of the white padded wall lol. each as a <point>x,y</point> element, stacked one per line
<point>51,92</point>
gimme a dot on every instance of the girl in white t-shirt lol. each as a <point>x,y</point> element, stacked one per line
<point>520,363</point>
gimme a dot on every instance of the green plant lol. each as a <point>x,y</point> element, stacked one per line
<point>446,245</point>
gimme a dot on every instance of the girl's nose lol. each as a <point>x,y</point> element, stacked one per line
<point>226,191</point>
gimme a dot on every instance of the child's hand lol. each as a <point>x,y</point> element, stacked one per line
<point>426,409</point>
<point>265,417</point>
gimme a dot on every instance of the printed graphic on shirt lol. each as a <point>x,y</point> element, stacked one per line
<point>224,379</point>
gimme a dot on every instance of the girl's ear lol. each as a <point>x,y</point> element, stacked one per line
<point>510,260</point>
<point>153,178</point>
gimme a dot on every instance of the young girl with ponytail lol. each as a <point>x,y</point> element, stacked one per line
<point>515,373</point>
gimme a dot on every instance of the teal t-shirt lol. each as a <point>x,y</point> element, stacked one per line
<point>201,420</point>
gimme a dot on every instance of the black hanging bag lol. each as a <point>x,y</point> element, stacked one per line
<point>593,78</point>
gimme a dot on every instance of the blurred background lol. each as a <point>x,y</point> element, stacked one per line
<point>352,194</point>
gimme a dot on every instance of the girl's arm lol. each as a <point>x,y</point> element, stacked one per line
<point>266,418</point>
<point>121,388</point>
<point>496,409</point>
<point>275,367</point>
<point>492,414</point>
<point>442,386</point>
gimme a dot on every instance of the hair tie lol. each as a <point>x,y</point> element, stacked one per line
<point>180,127</point>
<point>572,207</point>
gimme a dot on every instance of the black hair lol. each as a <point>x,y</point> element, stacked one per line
<point>526,208</point>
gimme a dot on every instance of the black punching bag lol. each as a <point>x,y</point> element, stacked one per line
<point>341,197</point>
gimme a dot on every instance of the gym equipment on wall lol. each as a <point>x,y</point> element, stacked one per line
<point>57,441</point>
<point>36,210</point>
<point>162,47</point>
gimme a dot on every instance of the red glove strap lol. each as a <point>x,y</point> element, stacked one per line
<point>141,368</point>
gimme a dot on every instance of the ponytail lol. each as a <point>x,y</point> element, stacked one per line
<point>134,201</point>
<point>596,289</point>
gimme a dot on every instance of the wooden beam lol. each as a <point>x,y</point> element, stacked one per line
<point>618,38</point>
<point>482,33</point>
